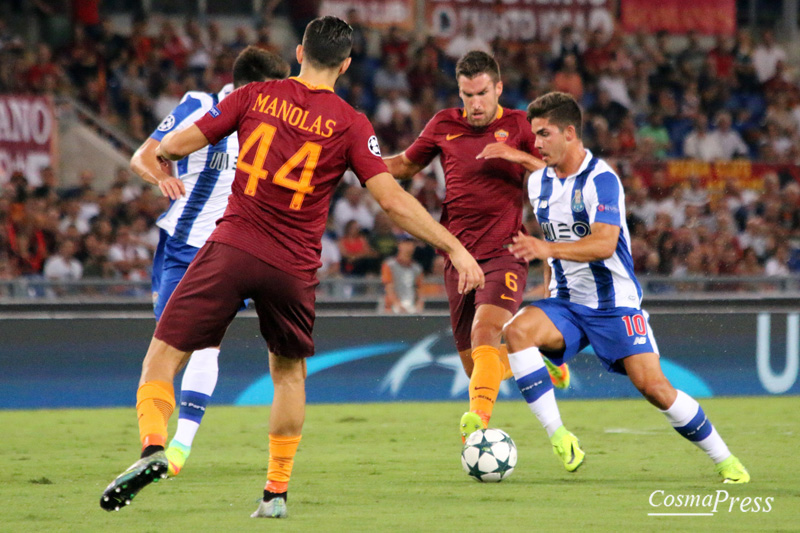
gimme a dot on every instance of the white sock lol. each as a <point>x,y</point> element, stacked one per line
<point>688,419</point>
<point>197,386</point>
<point>534,383</point>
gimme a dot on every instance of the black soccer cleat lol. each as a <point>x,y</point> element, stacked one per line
<point>122,490</point>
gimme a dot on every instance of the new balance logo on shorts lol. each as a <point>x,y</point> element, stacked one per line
<point>640,340</point>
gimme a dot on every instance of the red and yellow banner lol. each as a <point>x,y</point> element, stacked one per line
<point>711,17</point>
<point>745,174</point>
<point>28,134</point>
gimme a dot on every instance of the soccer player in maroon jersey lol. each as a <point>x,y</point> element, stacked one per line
<point>296,140</point>
<point>486,153</point>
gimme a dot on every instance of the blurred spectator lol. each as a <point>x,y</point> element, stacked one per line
<point>700,144</point>
<point>396,44</point>
<point>390,77</point>
<point>392,105</point>
<point>567,41</point>
<point>129,259</point>
<point>696,193</point>
<point>749,265</point>
<point>567,79</point>
<point>778,264</point>
<point>466,42</point>
<point>241,40</point>
<point>402,280</point>
<point>95,258</point>
<point>349,207</point>
<point>62,266</point>
<point>597,55</point>
<point>612,81</point>
<point>299,12</point>
<point>613,112</point>
<point>766,56</point>
<point>730,142</point>
<point>264,39</point>
<point>71,217</point>
<point>654,136</point>
<point>360,50</point>
<point>358,258</point>
<point>330,256</point>
<point>129,190</point>
<point>382,238</point>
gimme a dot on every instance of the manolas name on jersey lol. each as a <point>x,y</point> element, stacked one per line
<point>296,143</point>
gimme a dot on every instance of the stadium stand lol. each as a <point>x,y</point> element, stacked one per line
<point>705,134</point>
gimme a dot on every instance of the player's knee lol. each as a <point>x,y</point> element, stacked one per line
<point>657,390</point>
<point>520,333</point>
<point>485,332</point>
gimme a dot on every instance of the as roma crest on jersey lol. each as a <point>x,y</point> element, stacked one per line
<point>501,136</point>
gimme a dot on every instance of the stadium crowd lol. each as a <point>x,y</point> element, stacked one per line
<point>647,98</point>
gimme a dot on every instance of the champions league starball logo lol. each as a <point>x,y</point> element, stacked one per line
<point>419,357</point>
<point>373,146</point>
<point>167,124</point>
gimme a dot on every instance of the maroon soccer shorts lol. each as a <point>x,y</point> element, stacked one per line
<point>209,295</point>
<point>506,277</point>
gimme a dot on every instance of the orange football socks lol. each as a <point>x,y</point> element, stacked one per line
<point>155,401</point>
<point>281,459</point>
<point>485,381</point>
<point>507,372</point>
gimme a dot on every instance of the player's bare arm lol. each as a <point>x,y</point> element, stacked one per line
<point>597,246</point>
<point>401,167</point>
<point>178,144</point>
<point>153,170</point>
<point>408,213</point>
<point>501,150</point>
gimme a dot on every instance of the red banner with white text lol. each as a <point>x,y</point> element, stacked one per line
<point>710,17</point>
<point>374,13</point>
<point>28,134</point>
<point>516,20</point>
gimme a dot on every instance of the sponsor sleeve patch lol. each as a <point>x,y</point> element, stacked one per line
<point>214,112</point>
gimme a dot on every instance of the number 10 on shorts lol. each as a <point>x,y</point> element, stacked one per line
<point>635,325</point>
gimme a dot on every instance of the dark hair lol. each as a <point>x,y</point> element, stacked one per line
<point>560,109</point>
<point>257,64</point>
<point>327,42</point>
<point>475,63</point>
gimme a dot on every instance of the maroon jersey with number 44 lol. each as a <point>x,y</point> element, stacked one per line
<point>484,198</point>
<point>295,143</point>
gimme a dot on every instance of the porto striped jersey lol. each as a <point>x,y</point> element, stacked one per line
<point>206,174</point>
<point>566,209</point>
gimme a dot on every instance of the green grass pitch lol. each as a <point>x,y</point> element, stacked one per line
<point>395,467</point>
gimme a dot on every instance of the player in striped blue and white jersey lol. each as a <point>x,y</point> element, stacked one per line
<point>198,187</point>
<point>566,209</point>
<point>593,295</point>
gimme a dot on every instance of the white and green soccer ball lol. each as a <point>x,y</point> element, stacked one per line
<point>489,455</point>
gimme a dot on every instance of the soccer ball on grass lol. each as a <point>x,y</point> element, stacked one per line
<point>489,455</point>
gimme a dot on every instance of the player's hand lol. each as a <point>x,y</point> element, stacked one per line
<point>502,151</point>
<point>171,187</point>
<point>470,275</point>
<point>529,248</point>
